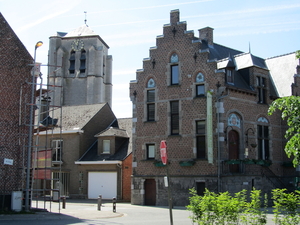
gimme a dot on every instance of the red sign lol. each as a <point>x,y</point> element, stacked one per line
<point>163,152</point>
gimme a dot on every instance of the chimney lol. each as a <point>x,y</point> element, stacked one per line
<point>174,16</point>
<point>207,35</point>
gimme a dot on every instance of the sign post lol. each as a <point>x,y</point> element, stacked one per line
<point>164,159</point>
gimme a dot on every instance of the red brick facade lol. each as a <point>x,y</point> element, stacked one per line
<point>126,178</point>
<point>238,119</point>
<point>15,92</point>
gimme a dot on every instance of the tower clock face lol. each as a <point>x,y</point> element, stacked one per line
<point>77,45</point>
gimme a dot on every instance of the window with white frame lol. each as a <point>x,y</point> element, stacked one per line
<point>106,146</point>
<point>57,146</point>
<point>150,151</point>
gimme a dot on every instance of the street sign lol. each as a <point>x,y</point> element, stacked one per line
<point>8,161</point>
<point>163,152</point>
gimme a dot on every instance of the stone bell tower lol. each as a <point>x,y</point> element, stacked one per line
<point>80,69</point>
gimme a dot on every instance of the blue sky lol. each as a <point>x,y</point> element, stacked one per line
<point>130,27</point>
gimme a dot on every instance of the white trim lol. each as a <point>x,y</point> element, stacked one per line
<point>98,162</point>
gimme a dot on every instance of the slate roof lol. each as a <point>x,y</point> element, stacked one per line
<point>72,118</point>
<point>247,60</point>
<point>119,128</point>
<point>282,69</point>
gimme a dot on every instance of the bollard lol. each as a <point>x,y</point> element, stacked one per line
<point>64,202</point>
<point>114,204</point>
<point>99,202</point>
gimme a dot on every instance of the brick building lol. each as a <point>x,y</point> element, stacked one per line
<point>89,148</point>
<point>15,94</point>
<point>209,102</point>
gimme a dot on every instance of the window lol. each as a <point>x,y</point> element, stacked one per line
<point>229,76</point>
<point>200,139</point>
<point>200,90</point>
<point>151,105</point>
<point>57,146</point>
<point>263,142</point>
<point>82,62</point>
<point>174,70</point>
<point>72,63</point>
<point>261,88</point>
<point>106,146</point>
<point>150,151</point>
<point>174,117</point>
<point>200,186</point>
<point>174,75</point>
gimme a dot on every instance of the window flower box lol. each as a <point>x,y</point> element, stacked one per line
<point>233,161</point>
<point>264,162</point>
<point>249,161</point>
<point>187,163</point>
<point>159,164</point>
<point>288,164</point>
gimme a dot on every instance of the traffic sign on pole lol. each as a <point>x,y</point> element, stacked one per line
<point>163,152</point>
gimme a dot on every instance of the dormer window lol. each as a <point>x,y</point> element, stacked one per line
<point>106,146</point>
<point>229,76</point>
<point>261,89</point>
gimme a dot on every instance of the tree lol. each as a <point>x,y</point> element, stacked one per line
<point>298,54</point>
<point>289,107</point>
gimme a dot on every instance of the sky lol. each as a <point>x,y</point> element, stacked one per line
<point>267,27</point>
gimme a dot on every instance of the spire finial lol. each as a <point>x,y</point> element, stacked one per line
<point>85,17</point>
<point>249,48</point>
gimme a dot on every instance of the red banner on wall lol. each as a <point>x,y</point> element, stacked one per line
<point>41,162</point>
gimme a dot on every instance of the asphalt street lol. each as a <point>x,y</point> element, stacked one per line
<point>86,212</point>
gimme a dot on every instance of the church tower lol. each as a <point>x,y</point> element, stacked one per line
<point>80,66</point>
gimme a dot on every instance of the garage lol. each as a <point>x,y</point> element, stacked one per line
<point>102,183</point>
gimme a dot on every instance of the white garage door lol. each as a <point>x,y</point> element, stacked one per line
<point>102,183</point>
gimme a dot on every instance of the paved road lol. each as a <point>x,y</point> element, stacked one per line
<point>79,212</point>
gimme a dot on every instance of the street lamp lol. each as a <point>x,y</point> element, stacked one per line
<point>27,206</point>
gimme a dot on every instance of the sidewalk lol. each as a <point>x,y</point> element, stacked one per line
<point>81,211</point>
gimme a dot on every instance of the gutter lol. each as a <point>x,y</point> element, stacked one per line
<point>103,162</point>
<point>62,132</point>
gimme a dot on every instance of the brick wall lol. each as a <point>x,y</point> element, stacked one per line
<point>193,59</point>
<point>15,92</point>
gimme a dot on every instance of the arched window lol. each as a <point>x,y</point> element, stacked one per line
<point>82,61</point>
<point>234,120</point>
<point>200,87</point>
<point>151,83</point>
<point>174,69</point>
<point>151,100</point>
<point>72,62</point>
<point>263,138</point>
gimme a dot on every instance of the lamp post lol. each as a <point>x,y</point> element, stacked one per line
<point>27,202</point>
